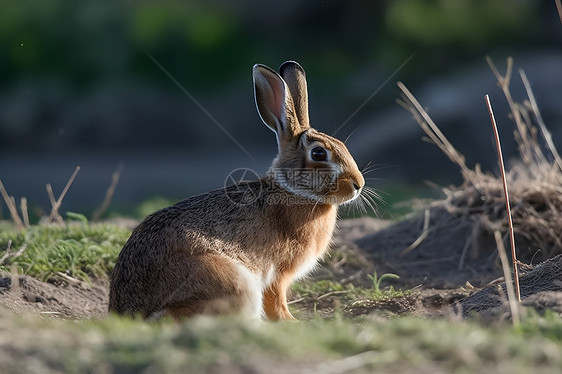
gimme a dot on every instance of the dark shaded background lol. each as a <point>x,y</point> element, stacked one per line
<point>78,87</point>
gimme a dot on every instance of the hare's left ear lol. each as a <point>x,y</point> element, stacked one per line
<point>275,104</point>
<point>293,74</point>
<point>272,99</point>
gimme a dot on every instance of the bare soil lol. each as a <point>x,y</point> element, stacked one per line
<point>55,298</point>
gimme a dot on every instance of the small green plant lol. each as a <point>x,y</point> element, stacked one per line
<point>378,281</point>
<point>77,217</point>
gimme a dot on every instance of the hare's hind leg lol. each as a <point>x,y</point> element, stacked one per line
<point>216,285</point>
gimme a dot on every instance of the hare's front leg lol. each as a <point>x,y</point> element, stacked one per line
<point>275,300</point>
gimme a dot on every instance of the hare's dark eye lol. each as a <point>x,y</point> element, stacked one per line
<point>318,154</point>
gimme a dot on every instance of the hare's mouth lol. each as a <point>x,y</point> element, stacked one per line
<point>350,198</point>
<point>346,190</point>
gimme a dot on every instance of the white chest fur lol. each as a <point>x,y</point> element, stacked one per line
<point>306,267</point>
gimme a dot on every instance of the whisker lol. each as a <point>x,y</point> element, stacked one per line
<point>373,200</point>
<point>368,203</point>
<point>366,167</point>
<point>375,167</point>
<point>349,136</point>
<point>365,203</point>
<point>374,193</point>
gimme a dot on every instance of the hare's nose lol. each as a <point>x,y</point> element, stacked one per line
<point>358,182</point>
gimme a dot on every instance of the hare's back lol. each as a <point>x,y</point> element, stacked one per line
<point>164,249</point>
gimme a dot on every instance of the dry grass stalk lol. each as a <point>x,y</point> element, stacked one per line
<point>423,235</point>
<point>10,202</point>
<point>8,254</point>
<point>506,195</point>
<point>535,108</point>
<point>511,296</point>
<point>56,204</point>
<point>109,194</point>
<point>8,249</point>
<point>75,281</point>
<point>15,279</point>
<point>24,213</point>
<point>53,200</point>
<point>411,104</point>
<point>526,135</point>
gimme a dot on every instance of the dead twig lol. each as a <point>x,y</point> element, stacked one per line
<point>513,305</point>
<point>296,301</point>
<point>528,145</point>
<point>421,238</point>
<point>8,249</point>
<point>72,280</point>
<point>506,195</point>
<point>24,213</point>
<point>10,254</point>
<point>10,202</point>
<point>51,194</point>
<point>53,201</point>
<point>15,279</point>
<point>467,245</point>
<point>332,293</point>
<point>410,103</point>
<point>56,206</point>
<point>545,133</point>
<point>109,194</point>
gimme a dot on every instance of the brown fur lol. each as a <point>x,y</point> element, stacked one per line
<point>217,254</point>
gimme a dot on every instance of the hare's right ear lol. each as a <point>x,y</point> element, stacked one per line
<point>274,102</point>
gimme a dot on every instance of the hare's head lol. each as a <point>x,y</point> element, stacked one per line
<point>310,163</point>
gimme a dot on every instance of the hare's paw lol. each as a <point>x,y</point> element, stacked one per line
<point>275,300</point>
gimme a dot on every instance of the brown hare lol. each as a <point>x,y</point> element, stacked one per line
<point>225,253</point>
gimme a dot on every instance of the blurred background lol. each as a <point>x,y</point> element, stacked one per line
<point>163,87</point>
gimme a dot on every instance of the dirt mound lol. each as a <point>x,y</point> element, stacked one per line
<point>446,254</point>
<point>541,288</point>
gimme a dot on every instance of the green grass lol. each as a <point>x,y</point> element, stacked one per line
<point>80,250</point>
<point>347,292</point>
<point>404,345</point>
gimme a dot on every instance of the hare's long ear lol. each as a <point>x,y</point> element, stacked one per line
<point>293,74</point>
<point>274,102</point>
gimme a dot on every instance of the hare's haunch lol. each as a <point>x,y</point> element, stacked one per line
<point>238,249</point>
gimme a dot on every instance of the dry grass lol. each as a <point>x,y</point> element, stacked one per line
<point>109,194</point>
<point>483,201</point>
<point>21,220</point>
<point>535,180</point>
